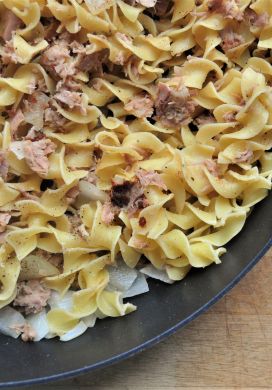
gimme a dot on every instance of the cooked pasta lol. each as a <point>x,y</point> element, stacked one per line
<point>135,138</point>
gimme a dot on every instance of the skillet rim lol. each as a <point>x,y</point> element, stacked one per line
<point>151,342</point>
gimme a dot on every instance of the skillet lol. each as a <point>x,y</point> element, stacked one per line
<point>161,312</point>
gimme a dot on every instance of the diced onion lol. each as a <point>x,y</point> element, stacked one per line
<point>155,273</point>
<point>35,267</point>
<point>39,324</point>
<point>58,302</point>
<point>91,192</point>
<point>10,317</point>
<point>121,276</point>
<point>138,287</point>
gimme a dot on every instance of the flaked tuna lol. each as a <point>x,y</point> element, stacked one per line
<point>32,296</point>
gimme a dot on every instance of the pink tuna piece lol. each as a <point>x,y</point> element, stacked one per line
<point>150,178</point>
<point>4,220</point>
<point>32,296</point>
<point>72,194</point>
<point>108,213</point>
<point>244,156</point>
<point>230,39</point>
<point>141,106</point>
<point>71,99</point>
<point>36,154</point>
<point>174,107</point>
<point>256,20</point>
<point>228,8</point>
<point>16,120</point>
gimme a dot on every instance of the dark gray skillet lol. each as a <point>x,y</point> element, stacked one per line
<point>160,313</point>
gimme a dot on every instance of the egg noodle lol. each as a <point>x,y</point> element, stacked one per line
<point>130,130</point>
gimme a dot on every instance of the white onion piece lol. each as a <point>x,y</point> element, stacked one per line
<point>17,147</point>
<point>155,273</point>
<point>39,323</point>
<point>91,192</point>
<point>10,317</point>
<point>35,267</point>
<point>34,114</point>
<point>78,330</point>
<point>58,302</point>
<point>121,276</point>
<point>90,320</point>
<point>138,287</point>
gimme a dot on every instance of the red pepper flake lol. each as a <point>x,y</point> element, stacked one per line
<point>142,221</point>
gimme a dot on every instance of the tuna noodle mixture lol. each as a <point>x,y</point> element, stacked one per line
<point>135,138</point>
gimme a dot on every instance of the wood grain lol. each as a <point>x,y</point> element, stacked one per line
<point>229,347</point>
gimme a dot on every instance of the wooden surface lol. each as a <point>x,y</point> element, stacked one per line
<point>229,347</point>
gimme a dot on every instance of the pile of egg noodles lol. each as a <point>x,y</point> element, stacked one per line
<point>214,170</point>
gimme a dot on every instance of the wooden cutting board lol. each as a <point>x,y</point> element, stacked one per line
<point>229,347</point>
